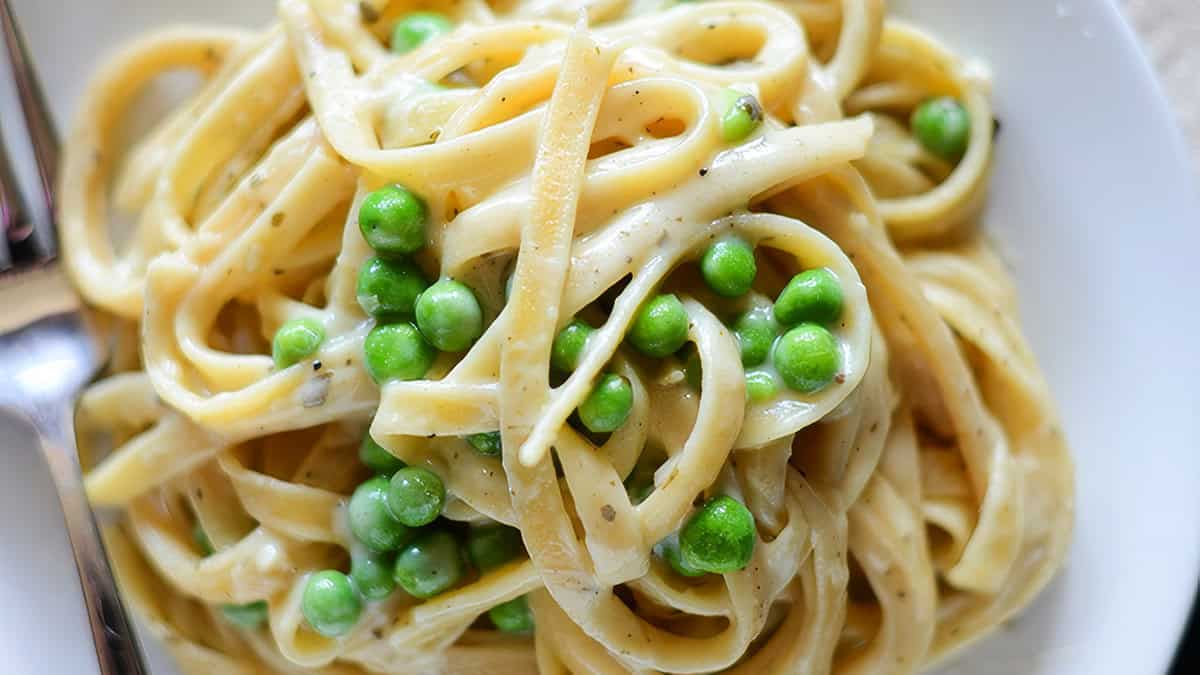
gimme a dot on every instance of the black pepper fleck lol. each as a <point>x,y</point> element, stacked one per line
<point>608,513</point>
<point>368,12</point>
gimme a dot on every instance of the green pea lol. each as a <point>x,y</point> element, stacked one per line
<point>743,113</point>
<point>416,496</point>
<point>376,458</point>
<point>569,345</point>
<point>330,604</point>
<point>249,616</point>
<point>661,327</point>
<point>201,540</point>
<point>490,546</point>
<point>761,385</point>
<point>418,28</point>
<point>370,519</point>
<point>392,220</point>
<point>397,351</point>
<point>608,406</point>
<point>487,443</point>
<point>449,316</point>
<point>668,550</point>
<point>719,538</point>
<point>430,565</point>
<point>513,616</point>
<point>813,295</point>
<point>943,127</point>
<point>295,340</point>
<point>728,267</point>
<point>807,358</point>
<point>388,288</point>
<point>756,331</point>
<point>372,574</point>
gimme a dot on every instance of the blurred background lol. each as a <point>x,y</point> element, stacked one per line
<point>1170,29</point>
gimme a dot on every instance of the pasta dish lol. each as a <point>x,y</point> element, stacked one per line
<point>560,337</point>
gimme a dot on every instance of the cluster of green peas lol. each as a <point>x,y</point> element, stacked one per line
<point>788,340</point>
<point>719,537</point>
<point>395,517</point>
<point>414,319</point>
<point>388,286</point>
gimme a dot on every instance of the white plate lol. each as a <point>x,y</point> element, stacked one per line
<point>1093,204</point>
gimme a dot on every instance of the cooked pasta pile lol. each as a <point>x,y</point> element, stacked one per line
<point>572,164</point>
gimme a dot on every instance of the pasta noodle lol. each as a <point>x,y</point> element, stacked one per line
<point>904,510</point>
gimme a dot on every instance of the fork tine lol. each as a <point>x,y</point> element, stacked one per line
<point>38,122</point>
<point>13,218</point>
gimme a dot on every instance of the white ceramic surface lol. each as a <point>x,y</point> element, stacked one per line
<point>1093,205</point>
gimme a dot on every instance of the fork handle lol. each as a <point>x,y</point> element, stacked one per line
<point>116,644</point>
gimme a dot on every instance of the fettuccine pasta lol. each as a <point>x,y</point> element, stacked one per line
<point>881,483</point>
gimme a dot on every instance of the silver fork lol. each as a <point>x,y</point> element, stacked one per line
<point>49,350</point>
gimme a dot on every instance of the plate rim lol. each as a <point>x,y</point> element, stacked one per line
<point>1185,159</point>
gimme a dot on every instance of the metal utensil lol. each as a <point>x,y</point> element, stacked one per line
<point>48,351</point>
